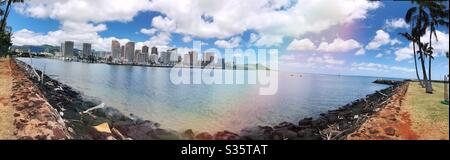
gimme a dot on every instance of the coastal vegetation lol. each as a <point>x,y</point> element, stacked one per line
<point>5,31</point>
<point>423,17</point>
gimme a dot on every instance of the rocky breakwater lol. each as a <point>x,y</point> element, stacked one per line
<point>333,125</point>
<point>34,117</point>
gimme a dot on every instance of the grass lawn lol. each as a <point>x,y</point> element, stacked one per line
<point>428,115</point>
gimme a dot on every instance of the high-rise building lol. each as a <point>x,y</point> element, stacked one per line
<point>115,50</point>
<point>68,49</point>
<point>208,57</point>
<point>122,52</point>
<point>154,50</point>
<point>144,49</point>
<point>164,58</point>
<point>129,52</point>
<point>87,50</point>
<point>173,55</point>
<point>193,58</point>
<point>138,57</point>
<point>145,52</point>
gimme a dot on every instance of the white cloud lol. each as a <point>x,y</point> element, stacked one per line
<point>339,45</point>
<point>381,38</point>
<point>232,43</point>
<point>269,40</point>
<point>187,39</point>
<point>360,52</point>
<point>377,67</point>
<point>163,23</point>
<point>403,54</point>
<point>148,32</point>
<point>379,55</point>
<point>198,18</point>
<point>301,45</point>
<point>27,37</point>
<point>287,18</point>
<point>395,23</point>
<point>84,10</point>
<point>325,59</point>
<point>253,38</point>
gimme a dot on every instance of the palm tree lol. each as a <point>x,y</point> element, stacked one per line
<point>421,19</point>
<point>438,17</point>
<point>6,13</point>
<point>413,39</point>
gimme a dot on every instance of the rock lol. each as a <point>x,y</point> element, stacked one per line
<point>256,133</point>
<point>319,123</point>
<point>104,127</point>
<point>389,131</point>
<point>70,129</point>
<point>226,135</point>
<point>31,104</point>
<point>305,122</point>
<point>189,134</point>
<point>58,134</point>
<point>373,131</point>
<point>285,134</point>
<point>308,132</point>
<point>204,136</point>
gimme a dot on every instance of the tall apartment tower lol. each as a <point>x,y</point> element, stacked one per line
<point>87,50</point>
<point>129,52</point>
<point>145,52</point>
<point>115,50</point>
<point>68,49</point>
<point>122,52</point>
<point>154,50</point>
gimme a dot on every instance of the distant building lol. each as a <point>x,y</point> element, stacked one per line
<point>145,52</point>
<point>129,52</point>
<point>115,50</point>
<point>68,49</point>
<point>208,58</point>
<point>191,59</point>
<point>164,58</point>
<point>122,52</point>
<point>87,50</point>
<point>173,56</point>
<point>154,50</point>
<point>187,60</point>
<point>153,59</point>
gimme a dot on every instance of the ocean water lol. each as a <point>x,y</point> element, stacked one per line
<point>148,93</point>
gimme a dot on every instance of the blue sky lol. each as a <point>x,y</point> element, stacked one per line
<point>348,38</point>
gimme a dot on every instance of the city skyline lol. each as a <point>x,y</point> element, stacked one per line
<point>356,38</point>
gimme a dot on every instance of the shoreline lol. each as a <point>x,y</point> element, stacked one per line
<point>110,124</point>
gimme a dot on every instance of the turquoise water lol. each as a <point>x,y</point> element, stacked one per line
<point>148,92</point>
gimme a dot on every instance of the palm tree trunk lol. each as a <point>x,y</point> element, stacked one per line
<point>424,71</point>
<point>415,64</point>
<point>429,62</point>
<point>5,16</point>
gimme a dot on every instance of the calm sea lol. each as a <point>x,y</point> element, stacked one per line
<point>148,92</point>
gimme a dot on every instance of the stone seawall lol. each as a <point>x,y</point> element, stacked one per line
<point>34,117</point>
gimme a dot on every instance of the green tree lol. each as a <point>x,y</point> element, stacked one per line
<point>418,15</point>
<point>413,39</point>
<point>6,13</point>
<point>438,17</point>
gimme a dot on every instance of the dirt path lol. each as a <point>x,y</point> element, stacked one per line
<point>6,110</point>
<point>392,122</point>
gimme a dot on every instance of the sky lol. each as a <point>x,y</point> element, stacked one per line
<point>345,37</point>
